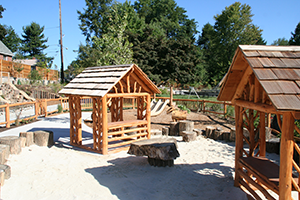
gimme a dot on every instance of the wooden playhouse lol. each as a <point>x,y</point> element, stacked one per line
<point>263,80</point>
<point>108,86</point>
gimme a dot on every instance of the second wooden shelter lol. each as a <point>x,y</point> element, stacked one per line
<point>263,80</point>
<point>108,86</point>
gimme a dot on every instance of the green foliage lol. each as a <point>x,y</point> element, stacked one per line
<point>281,42</point>
<point>183,107</point>
<point>295,39</point>
<point>59,108</point>
<point>219,42</point>
<point>165,91</point>
<point>34,76</point>
<point>11,39</point>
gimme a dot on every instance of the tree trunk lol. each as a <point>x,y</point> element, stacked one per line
<point>13,142</point>
<point>29,138</point>
<point>188,136</point>
<point>43,138</point>
<point>174,129</point>
<point>209,131</point>
<point>186,126</point>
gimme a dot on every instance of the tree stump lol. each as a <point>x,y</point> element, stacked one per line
<point>165,131</point>
<point>198,131</point>
<point>174,129</point>
<point>217,133</point>
<point>232,134</point>
<point>209,131</point>
<point>155,132</point>
<point>186,125</point>
<point>23,142</point>
<point>160,151</point>
<point>226,136</point>
<point>7,171</point>
<point>188,136</point>
<point>4,149</point>
<point>273,145</point>
<point>43,138</point>
<point>2,175</point>
<point>179,115</point>
<point>29,138</point>
<point>13,142</point>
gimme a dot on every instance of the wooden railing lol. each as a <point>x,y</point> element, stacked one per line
<point>45,107</point>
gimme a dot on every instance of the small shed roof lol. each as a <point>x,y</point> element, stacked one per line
<point>4,50</point>
<point>98,81</point>
<point>277,68</point>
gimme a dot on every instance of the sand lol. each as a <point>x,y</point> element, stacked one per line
<point>204,170</point>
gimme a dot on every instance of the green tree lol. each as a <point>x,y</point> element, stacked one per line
<point>280,42</point>
<point>11,39</point>
<point>33,44</point>
<point>232,27</point>
<point>92,18</point>
<point>2,29</point>
<point>295,38</point>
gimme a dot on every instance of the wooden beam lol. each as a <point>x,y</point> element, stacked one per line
<point>238,143</point>
<point>262,134</point>
<point>148,116</point>
<point>256,106</point>
<point>286,157</point>
<point>104,126</point>
<point>242,83</point>
<point>127,95</point>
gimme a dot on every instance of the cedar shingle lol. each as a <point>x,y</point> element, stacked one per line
<point>251,53</point>
<point>266,62</point>
<point>265,74</point>
<point>277,62</point>
<point>290,62</point>
<point>286,74</point>
<point>285,102</point>
<point>254,62</point>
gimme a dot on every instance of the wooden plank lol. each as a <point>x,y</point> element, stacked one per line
<point>285,102</point>
<point>266,53</point>
<point>104,80</point>
<point>148,116</point>
<point>289,87</point>
<point>243,183</point>
<point>266,62</point>
<point>262,134</point>
<point>238,143</point>
<point>292,63</point>
<point>278,62</point>
<point>255,63</point>
<point>286,74</point>
<point>280,87</point>
<point>126,95</point>
<point>286,156</point>
<point>265,74</point>
<point>242,83</point>
<point>104,126</point>
<point>127,123</point>
<point>251,53</point>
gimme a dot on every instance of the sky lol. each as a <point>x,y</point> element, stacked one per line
<point>277,19</point>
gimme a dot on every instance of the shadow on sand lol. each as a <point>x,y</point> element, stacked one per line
<point>133,178</point>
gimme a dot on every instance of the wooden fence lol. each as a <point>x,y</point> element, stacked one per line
<point>45,107</point>
<point>18,70</point>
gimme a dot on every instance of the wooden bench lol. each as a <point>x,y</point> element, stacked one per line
<point>161,152</point>
<point>265,171</point>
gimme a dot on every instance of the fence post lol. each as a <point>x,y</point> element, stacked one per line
<point>36,109</point>
<point>203,106</point>
<point>225,109</point>
<point>45,106</point>
<point>7,118</point>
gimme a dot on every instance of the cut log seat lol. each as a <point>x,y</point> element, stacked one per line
<point>266,171</point>
<point>160,151</point>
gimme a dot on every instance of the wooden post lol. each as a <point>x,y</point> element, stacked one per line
<point>7,118</point>
<point>104,126</point>
<point>171,96</point>
<point>269,120</point>
<point>225,109</point>
<point>286,157</point>
<point>203,107</point>
<point>148,116</point>
<point>45,106</point>
<point>262,134</point>
<point>251,132</point>
<point>238,142</point>
<point>78,121</point>
<point>36,106</point>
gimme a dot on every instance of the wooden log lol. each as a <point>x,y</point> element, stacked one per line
<point>174,129</point>
<point>226,136</point>
<point>13,142</point>
<point>29,138</point>
<point>217,133</point>
<point>186,125</point>
<point>43,138</point>
<point>188,136</point>
<point>158,148</point>
<point>232,134</point>
<point>22,141</point>
<point>165,131</point>
<point>6,149</point>
<point>7,171</point>
<point>198,131</point>
<point>178,115</point>
<point>209,131</point>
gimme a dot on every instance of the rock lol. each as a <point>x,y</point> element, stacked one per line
<point>29,138</point>
<point>7,171</point>
<point>13,142</point>
<point>188,136</point>
<point>43,138</point>
<point>186,125</point>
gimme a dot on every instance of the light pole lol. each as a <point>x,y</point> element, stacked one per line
<point>62,77</point>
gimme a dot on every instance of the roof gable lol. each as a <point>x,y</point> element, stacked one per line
<point>98,81</point>
<point>4,50</point>
<point>276,68</point>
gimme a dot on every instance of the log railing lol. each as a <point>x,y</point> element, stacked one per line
<point>45,107</point>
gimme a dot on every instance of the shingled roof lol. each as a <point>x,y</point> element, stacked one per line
<point>277,68</point>
<point>4,50</point>
<point>98,81</point>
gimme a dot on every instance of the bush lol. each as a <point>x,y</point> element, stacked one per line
<point>59,109</point>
